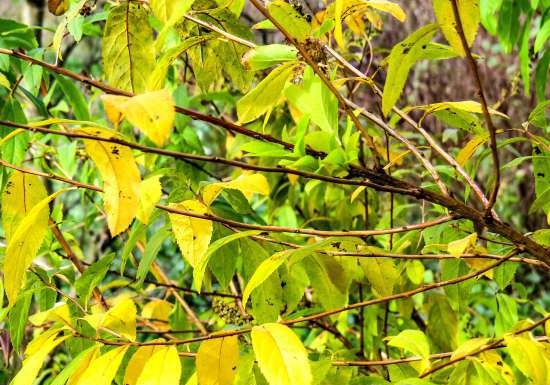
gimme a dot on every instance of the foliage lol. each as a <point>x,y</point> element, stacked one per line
<point>187,206</point>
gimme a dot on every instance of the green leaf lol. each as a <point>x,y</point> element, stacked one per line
<point>17,319</point>
<point>74,96</point>
<point>329,279</point>
<point>469,18</point>
<point>413,341</point>
<point>128,51</point>
<point>266,56</point>
<point>150,252</point>
<point>538,117</point>
<point>292,22</point>
<point>381,274</point>
<point>542,36</point>
<point>442,323</point>
<point>92,277</point>
<point>401,59</point>
<point>200,268</point>
<point>265,95</point>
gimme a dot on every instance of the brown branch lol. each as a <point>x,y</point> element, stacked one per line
<point>484,106</point>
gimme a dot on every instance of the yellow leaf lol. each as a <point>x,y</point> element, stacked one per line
<point>151,112</point>
<point>338,36</point>
<point>248,184</point>
<point>24,244</point>
<point>121,319</point>
<point>469,17</point>
<point>121,179</point>
<point>162,368</point>
<point>393,9</point>
<point>150,194</point>
<point>4,82</point>
<point>217,361</point>
<point>79,371</point>
<point>35,355</point>
<point>415,342</point>
<point>460,246</point>
<point>102,370</point>
<point>529,357</point>
<point>59,313</point>
<point>14,206</point>
<point>464,105</point>
<point>468,150</point>
<point>137,363</point>
<point>192,234</point>
<point>281,356</point>
<point>381,274</point>
<point>157,310</point>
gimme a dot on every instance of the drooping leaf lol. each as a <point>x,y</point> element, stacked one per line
<point>192,234</point>
<point>121,179</point>
<point>24,244</point>
<point>528,355</point>
<point>381,274</point>
<point>102,370</point>
<point>35,355</point>
<point>281,355</point>
<point>290,19</point>
<point>128,50</point>
<point>217,361</point>
<point>401,59</point>
<point>415,342</point>
<point>92,277</point>
<point>266,56</point>
<point>469,19</point>
<point>460,246</point>
<point>162,368</point>
<point>151,112</point>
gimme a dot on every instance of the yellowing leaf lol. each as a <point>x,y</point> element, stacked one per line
<point>36,354</point>
<point>281,356</point>
<point>460,246</point>
<point>14,207</point>
<point>170,10</point>
<point>192,234</point>
<point>529,356</point>
<point>90,356</point>
<point>150,194</point>
<point>121,179</point>
<point>137,363</point>
<point>469,18</point>
<point>4,82</point>
<point>248,184</point>
<point>151,112</point>
<point>468,150</point>
<point>381,273</point>
<point>470,346</point>
<point>59,313</point>
<point>102,370</point>
<point>157,310</point>
<point>415,342</point>
<point>393,9</point>
<point>121,319</point>
<point>24,244</point>
<point>265,95</point>
<point>465,105</point>
<point>162,368</point>
<point>217,361</point>
<point>127,47</point>
<point>401,59</point>
<point>338,36</point>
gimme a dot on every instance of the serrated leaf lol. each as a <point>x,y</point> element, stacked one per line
<point>121,179</point>
<point>92,277</point>
<point>78,364</point>
<point>460,246</point>
<point>217,361</point>
<point>401,59</point>
<point>162,368</point>
<point>150,194</point>
<point>192,234</point>
<point>248,184</point>
<point>292,21</point>
<point>151,112</point>
<point>469,18</point>
<point>128,50</point>
<point>24,244</point>
<point>265,95</point>
<point>281,355</point>
<point>529,357</point>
